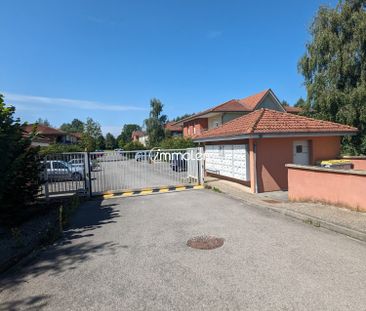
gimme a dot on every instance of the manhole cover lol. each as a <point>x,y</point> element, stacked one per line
<point>205,242</point>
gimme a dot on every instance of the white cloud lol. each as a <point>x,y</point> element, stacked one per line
<point>50,102</point>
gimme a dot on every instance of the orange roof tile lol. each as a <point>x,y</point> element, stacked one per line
<point>42,129</point>
<point>172,126</point>
<point>266,121</point>
<point>252,101</point>
<point>292,109</point>
<point>137,133</point>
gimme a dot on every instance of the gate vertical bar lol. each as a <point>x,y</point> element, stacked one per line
<point>46,190</point>
<point>87,170</point>
<point>200,160</point>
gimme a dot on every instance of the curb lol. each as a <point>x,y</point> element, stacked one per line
<point>317,222</point>
<point>305,218</point>
<point>148,191</point>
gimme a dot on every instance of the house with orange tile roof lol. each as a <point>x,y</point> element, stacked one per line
<point>46,135</point>
<point>139,136</point>
<point>229,110</point>
<point>253,149</point>
<point>174,129</point>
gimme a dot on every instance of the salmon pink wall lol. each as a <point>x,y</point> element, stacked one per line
<point>329,186</point>
<point>325,148</point>
<point>359,163</point>
<point>274,153</point>
<point>199,124</point>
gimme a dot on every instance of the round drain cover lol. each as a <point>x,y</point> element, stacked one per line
<point>205,242</point>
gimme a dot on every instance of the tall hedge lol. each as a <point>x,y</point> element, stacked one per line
<point>19,169</point>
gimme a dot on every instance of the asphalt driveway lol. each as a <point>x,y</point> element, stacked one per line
<point>131,254</point>
<point>131,174</point>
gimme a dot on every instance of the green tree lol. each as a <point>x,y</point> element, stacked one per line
<point>110,142</point>
<point>284,103</point>
<point>126,134</point>
<point>76,126</point>
<point>301,103</point>
<point>155,123</point>
<point>90,135</point>
<point>100,143</point>
<point>334,69</point>
<point>19,169</point>
<point>43,122</point>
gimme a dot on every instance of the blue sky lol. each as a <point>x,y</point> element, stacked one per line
<point>106,59</point>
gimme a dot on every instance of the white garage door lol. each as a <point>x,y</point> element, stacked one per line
<point>228,160</point>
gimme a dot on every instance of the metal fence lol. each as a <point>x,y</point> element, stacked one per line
<point>133,170</point>
<point>64,173</point>
<point>100,172</point>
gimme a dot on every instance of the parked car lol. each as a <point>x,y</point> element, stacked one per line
<point>60,171</point>
<point>142,156</point>
<point>178,163</point>
<point>120,150</point>
<point>79,163</point>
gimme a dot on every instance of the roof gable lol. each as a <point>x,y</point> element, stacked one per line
<point>251,102</point>
<point>266,121</point>
<point>246,104</point>
<point>270,101</point>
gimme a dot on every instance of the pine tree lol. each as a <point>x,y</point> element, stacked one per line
<point>155,123</point>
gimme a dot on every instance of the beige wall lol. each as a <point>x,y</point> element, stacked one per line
<point>213,120</point>
<point>330,187</point>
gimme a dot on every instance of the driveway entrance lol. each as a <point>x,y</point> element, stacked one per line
<point>120,171</point>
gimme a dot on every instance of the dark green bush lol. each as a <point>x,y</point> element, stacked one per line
<point>177,143</point>
<point>19,169</point>
<point>60,148</point>
<point>134,145</point>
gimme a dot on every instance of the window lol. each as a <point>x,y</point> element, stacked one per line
<point>59,165</point>
<point>48,165</point>
<point>299,149</point>
<point>77,161</point>
<point>194,130</point>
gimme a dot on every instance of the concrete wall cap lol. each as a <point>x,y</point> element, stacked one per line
<point>354,157</point>
<point>324,169</point>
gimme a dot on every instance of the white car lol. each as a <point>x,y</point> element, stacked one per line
<point>77,163</point>
<point>60,170</point>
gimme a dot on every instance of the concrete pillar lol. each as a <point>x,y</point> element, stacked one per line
<point>253,166</point>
